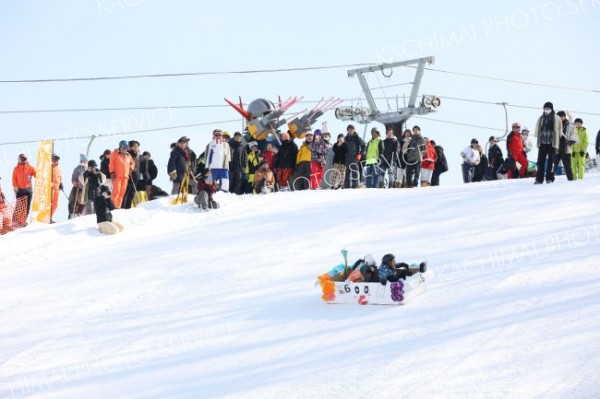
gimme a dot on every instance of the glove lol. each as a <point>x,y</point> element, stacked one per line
<point>582,153</point>
<point>113,175</point>
<point>573,155</point>
<point>358,156</point>
<point>571,142</point>
<point>61,187</point>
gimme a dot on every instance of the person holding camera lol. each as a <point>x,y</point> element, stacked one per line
<point>103,205</point>
<point>93,179</point>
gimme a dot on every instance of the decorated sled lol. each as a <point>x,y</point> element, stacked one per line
<point>340,285</point>
<point>397,293</point>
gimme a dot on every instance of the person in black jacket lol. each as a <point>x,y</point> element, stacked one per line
<point>354,154</point>
<point>104,167</point>
<point>103,205</point>
<point>495,159</point>
<point>148,173</point>
<point>179,163</point>
<point>93,179</point>
<point>134,177</point>
<point>598,143</point>
<point>441,165</point>
<point>390,156</point>
<point>340,151</point>
<point>237,165</point>
<point>285,161</point>
<point>480,169</point>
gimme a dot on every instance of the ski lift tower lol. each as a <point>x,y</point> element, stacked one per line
<point>394,119</point>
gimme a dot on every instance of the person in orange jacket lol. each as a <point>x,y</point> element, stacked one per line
<point>21,181</point>
<point>121,165</point>
<point>57,184</point>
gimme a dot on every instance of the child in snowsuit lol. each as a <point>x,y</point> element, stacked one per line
<point>390,271</point>
<point>103,204</point>
<point>206,189</point>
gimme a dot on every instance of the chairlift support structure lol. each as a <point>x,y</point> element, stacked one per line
<point>395,119</point>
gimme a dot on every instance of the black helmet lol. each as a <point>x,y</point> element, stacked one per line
<point>92,164</point>
<point>105,189</point>
<point>387,259</point>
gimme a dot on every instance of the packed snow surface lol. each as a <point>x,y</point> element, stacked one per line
<point>185,304</point>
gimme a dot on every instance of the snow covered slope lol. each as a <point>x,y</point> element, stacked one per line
<point>186,304</point>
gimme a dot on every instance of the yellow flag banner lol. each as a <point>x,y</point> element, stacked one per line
<point>42,192</point>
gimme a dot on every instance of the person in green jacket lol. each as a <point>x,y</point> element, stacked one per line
<point>579,150</point>
<point>374,151</point>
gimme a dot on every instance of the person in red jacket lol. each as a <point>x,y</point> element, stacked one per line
<point>514,146</point>
<point>428,163</point>
<point>269,155</point>
<point>121,165</point>
<point>21,181</point>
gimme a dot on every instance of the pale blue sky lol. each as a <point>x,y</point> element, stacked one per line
<point>554,42</point>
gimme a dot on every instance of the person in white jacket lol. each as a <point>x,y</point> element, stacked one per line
<point>471,157</point>
<point>218,156</point>
<point>527,143</point>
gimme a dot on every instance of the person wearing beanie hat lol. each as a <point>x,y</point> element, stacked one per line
<point>103,205</point>
<point>374,152</point>
<point>548,130</point>
<point>579,150</point>
<point>76,204</point>
<point>390,271</point>
<point>527,143</point>
<point>318,149</point>
<point>93,180</point>
<point>120,167</point>
<point>471,157</point>
<point>21,181</point>
<point>355,148</point>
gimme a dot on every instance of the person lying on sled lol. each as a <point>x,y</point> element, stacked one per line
<point>392,272</point>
